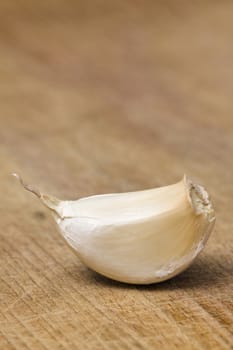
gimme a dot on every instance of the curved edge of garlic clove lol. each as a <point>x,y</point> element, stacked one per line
<point>200,201</point>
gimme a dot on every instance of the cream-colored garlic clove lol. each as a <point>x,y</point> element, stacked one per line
<point>137,237</point>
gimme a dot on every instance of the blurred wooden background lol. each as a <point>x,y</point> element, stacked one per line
<point>108,96</point>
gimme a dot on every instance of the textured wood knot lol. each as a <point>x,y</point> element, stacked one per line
<point>39,215</point>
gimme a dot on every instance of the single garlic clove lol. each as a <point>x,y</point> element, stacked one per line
<point>137,237</point>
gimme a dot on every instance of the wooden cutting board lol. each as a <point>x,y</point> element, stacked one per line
<point>110,96</point>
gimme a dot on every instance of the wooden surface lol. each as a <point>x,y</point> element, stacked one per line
<point>110,96</point>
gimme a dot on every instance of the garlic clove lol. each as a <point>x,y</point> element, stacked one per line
<point>138,237</point>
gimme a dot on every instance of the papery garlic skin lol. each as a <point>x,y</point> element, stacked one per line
<point>138,237</point>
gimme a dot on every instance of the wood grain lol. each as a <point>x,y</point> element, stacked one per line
<point>108,96</point>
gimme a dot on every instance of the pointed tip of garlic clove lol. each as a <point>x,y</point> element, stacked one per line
<point>50,202</point>
<point>26,186</point>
